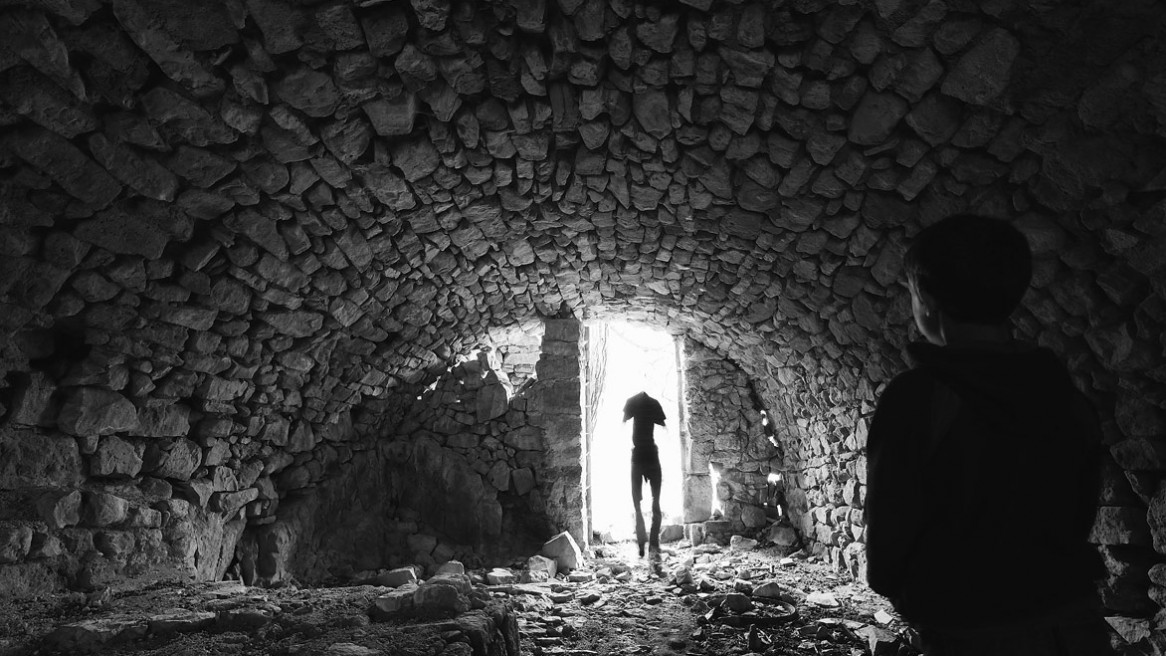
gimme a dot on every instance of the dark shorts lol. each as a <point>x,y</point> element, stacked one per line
<point>645,466</point>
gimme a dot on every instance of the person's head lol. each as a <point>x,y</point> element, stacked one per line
<point>967,269</point>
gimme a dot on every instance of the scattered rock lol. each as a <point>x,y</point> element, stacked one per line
<point>499,576</point>
<point>88,636</point>
<point>349,649</point>
<point>741,543</point>
<point>823,599</point>
<point>397,601</point>
<point>564,551</point>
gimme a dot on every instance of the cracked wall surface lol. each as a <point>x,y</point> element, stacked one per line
<point>235,238</point>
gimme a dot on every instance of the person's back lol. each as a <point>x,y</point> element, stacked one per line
<point>1008,447</point>
<point>982,465</point>
<point>645,413</point>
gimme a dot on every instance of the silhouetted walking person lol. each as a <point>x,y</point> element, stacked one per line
<point>645,463</point>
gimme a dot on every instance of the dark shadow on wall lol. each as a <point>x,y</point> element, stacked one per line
<point>403,503</point>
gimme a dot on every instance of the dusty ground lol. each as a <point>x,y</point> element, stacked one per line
<point>629,606</point>
<point>650,614</point>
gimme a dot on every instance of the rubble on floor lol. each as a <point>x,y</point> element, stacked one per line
<point>683,601</point>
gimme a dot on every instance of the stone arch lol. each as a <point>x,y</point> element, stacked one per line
<point>271,219</point>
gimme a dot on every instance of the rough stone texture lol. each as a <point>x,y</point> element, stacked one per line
<point>726,439</point>
<point>465,464</point>
<point>116,457</point>
<point>984,71</point>
<point>93,411</point>
<point>293,220</point>
<point>564,551</point>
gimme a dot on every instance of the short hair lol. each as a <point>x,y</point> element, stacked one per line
<point>976,267</point>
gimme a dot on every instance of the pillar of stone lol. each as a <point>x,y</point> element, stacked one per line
<point>561,418</point>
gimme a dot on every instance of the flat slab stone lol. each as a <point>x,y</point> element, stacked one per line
<point>180,620</point>
<point>396,601</point>
<point>88,636</point>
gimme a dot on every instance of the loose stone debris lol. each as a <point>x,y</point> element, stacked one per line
<point>691,601</point>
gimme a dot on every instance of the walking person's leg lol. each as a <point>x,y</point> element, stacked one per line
<point>654,478</point>
<point>637,496</point>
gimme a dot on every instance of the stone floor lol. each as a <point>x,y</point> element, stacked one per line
<point>690,602</point>
<point>705,601</point>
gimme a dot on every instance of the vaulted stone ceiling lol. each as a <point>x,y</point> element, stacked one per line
<point>401,177</point>
<point>273,211</point>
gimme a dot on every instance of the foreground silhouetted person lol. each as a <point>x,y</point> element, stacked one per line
<point>645,463</point>
<point>983,465</point>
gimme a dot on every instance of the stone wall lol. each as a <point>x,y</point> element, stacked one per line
<point>467,472</point>
<point>263,217</point>
<point>822,409</point>
<point>725,432</point>
<point>822,434</point>
<point>97,492</point>
<point>516,352</point>
<point>559,404</point>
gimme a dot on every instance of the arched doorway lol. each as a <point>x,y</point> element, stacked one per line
<point>623,360</point>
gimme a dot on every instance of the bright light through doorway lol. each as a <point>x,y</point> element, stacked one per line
<point>639,358</point>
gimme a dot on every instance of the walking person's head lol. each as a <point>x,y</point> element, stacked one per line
<point>966,270</point>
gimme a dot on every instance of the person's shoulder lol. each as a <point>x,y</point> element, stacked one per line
<point>910,381</point>
<point>906,392</point>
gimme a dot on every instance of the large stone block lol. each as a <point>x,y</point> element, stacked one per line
<point>116,545</point>
<point>15,542</point>
<point>36,97</point>
<point>59,509</point>
<point>499,476</point>
<point>78,175</point>
<point>312,92</point>
<point>983,73</point>
<point>145,176</point>
<point>152,26</point>
<point>397,601</point>
<point>1121,525</point>
<point>94,411</point>
<point>753,516</point>
<point>32,404</point>
<point>116,457</point>
<point>1157,518</point>
<point>171,420</point>
<point>527,438</point>
<point>548,567</point>
<point>875,118</point>
<point>1127,579</point>
<point>141,228</point>
<point>561,330</point>
<point>101,509</point>
<point>229,503</point>
<point>440,598</point>
<point>396,578</point>
<point>493,399</point>
<point>28,459</point>
<point>563,549</point>
<point>174,460</point>
<point>1140,454</point>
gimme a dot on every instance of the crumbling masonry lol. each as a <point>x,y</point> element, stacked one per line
<point>250,250</point>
